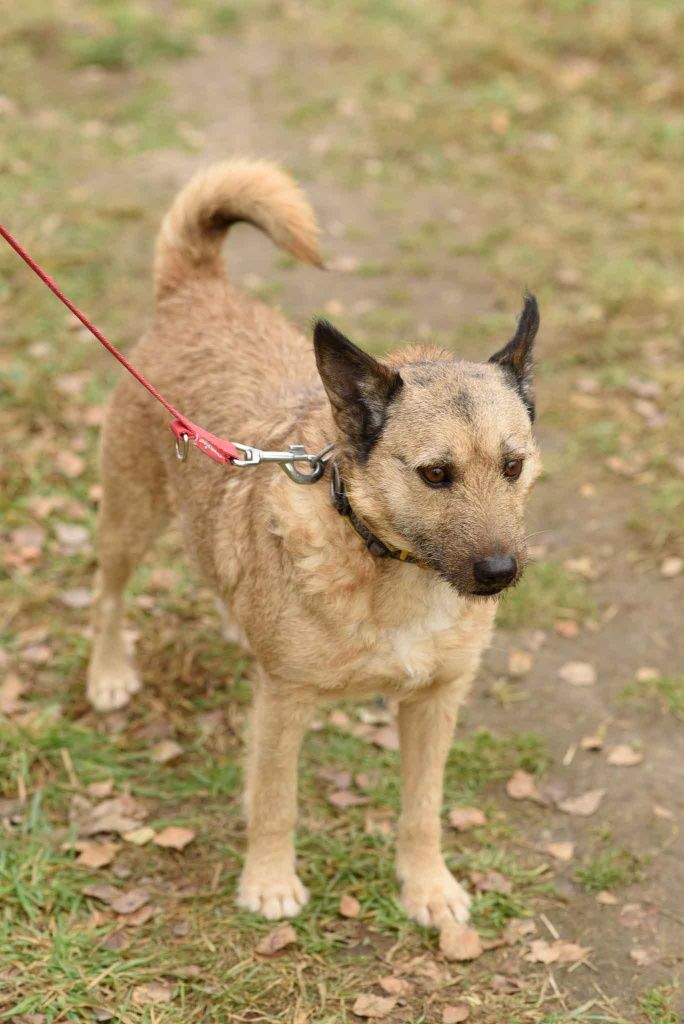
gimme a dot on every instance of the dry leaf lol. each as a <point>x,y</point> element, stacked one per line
<point>663,812</point>
<point>153,992</point>
<point>518,928</point>
<point>100,891</point>
<point>101,789</point>
<point>174,837</point>
<point>394,986</point>
<point>584,805</point>
<point>165,751</point>
<point>340,719</point>
<point>522,786</point>
<point>459,942</point>
<point>606,899</point>
<point>561,851</point>
<point>578,673</point>
<point>373,1007</point>
<point>386,737</point>
<point>69,463</point>
<point>277,940</point>
<point>139,836</point>
<point>559,951</point>
<point>465,818</point>
<point>344,798</point>
<point>671,567</point>
<point>455,1014</point>
<point>567,628</point>
<point>624,756</point>
<point>80,597</point>
<point>129,902</point>
<point>639,915</point>
<point>118,814</point>
<point>340,778</point>
<point>11,691</point>
<point>97,855</point>
<point>141,916</point>
<point>592,742</point>
<point>491,881</point>
<point>644,957</point>
<point>349,906</point>
<point>519,663</point>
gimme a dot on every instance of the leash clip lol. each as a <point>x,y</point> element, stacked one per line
<point>287,461</point>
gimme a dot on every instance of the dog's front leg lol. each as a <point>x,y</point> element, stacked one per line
<point>269,884</point>
<point>430,894</point>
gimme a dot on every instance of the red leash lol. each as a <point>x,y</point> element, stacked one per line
<point>184,430</point>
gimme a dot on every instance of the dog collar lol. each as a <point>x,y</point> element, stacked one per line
<point>377,547</point>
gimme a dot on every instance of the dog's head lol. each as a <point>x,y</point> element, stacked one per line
<point>436,453</point>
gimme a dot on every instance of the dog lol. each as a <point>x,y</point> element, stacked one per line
<point>433,460</point>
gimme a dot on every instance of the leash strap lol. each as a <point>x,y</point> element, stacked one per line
<point>184,430</point>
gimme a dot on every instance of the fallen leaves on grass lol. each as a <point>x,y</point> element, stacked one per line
<point>465,818</point>
<point>584,805</point>
<point>349,906</point>
<point>561,851</point>
<point>343,798</point>
<point>129,902</point>
<point>561,952</point>
<point>165,751</point>
<point>118,814</point>
<point>522,786</point>
<point>394,986</point>
<point>174,837</point>
<point>277,940</point>
<point>139,836</point>
<point>459,942</point>
<point>153,992</point>
<point>606,899</point>
<point>578,673</point>
<point>97,855</point>
<point>386,737</point>
<point>374,1007</point>
<point>455,1014</point>
<point>491,881</point>
<point>624,756</point>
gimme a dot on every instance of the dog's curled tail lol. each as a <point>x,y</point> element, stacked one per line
<point>257,191</point>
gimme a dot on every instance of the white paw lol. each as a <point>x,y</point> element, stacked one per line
<point>272,897</point>
<point>434,896</point>
<point>111,688</point>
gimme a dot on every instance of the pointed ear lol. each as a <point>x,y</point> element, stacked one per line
<point>359,387</point>
<point>516,357</point>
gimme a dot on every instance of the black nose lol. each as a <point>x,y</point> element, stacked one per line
<point>496,571</point>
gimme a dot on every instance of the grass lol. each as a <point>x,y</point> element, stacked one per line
<point>608,870</point>
<point>666,691</point>
<point>493,158</point>
<point>657,1005</point>
<point>548,592</point>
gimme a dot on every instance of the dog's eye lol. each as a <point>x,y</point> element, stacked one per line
<point>512,468</point>
<point>435,476</point>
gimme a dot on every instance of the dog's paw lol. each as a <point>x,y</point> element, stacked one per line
<point>111,688</point>
<point>272,897</point>
<point>433,896</point>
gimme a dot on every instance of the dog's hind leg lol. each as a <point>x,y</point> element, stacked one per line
<point>133,510</point>
<point>430,894</point>
<point>269,884</point>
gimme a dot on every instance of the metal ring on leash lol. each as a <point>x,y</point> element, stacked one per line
<point>182,447</point>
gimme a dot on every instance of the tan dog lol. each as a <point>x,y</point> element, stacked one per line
<point>434,457</point>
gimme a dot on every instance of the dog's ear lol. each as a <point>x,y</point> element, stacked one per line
<point>516,357</point>
<point>359,387</point>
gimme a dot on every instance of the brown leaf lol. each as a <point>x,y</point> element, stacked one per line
<point>97,855</point>
<point>594,742</point>
<point>141,916</point>
<point>672,567</point>
<point>139,836</point>
<point>373,1007</point>
<point>639,915</point>
<point>153,992</point>
<point>78,598</point>
<point>624,756</point>
<point>130,901</point>
<point>491,881</point>
<point>465,818</point>
<point>100,891</point>
<point>174,837</point>
<point>559,951</point>
<point>349,906</point>
<point>455,1014</point>
<point>71,536</point>
<point>561,851</point>
<point>386,737</point>
<point>522,786</point>
<point>277,940</point>
<point>519,663</point>
<point>165,751</point>
<point>584,805</point>
<point>567,628</point>
<point>578,673</point>
<point>69,463</point>
<point>343,798</point>
<point>340,719</point>
<point>118,814</point>
<point>394,986</point>
<point>101,789</point>
<point>459,942</point>
<point>338,777</point>
<point>644,957</point>
<point>606,899</point>
<point>518,928</point>
<point>11,691</point>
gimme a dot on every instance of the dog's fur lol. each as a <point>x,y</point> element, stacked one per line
<point>323,617</point>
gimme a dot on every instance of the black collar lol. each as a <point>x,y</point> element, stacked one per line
<point>377,547</point>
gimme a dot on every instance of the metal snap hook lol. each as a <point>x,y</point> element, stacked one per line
<point>182,446</point>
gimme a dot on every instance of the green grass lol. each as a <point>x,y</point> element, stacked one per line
<point>666,691</point>
<point>547,592</point>
<point>658,1006</point>
<point>608,870</point>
